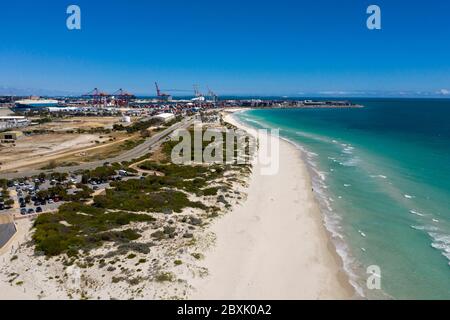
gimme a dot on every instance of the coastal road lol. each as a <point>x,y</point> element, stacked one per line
<point>7,228</point>
<point>137,152</point>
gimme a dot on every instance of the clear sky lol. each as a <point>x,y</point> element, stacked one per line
<point>235,47</point>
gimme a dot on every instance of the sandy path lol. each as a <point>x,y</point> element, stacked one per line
<point>58,154</point>
<point>274,246</point>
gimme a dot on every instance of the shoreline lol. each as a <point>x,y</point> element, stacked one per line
<point>338,247</point>
<point>254,245</point>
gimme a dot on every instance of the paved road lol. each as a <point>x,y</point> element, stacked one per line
<point>7,228</point>
<point>134,153</point>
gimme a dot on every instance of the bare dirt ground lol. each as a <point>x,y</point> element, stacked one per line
<point>74,123</point>
<point>63,147</point>
<point>40,148</point>
<point>5,112</point>
<point>37,151</point>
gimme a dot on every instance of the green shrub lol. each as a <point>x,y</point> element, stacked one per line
<point>88,227</point>
<point>164,277</point>
<point>197,256</point>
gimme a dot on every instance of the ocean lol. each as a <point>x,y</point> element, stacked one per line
<point>382,177</point>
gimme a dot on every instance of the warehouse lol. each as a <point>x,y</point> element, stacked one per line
<point>10,136</point>
<point>165,117</point>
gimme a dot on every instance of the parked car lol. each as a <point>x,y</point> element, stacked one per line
<point>31,211</point>
<point>38,210</point>
<point>23,211</point>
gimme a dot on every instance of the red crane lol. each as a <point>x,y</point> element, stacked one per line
<point>97,96</point>
<point>122,98</point>
<point>160,95</point>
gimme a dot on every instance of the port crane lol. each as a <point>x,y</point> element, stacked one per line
<point>197,93</point>
<point>214,97</point>
<point>161,95</point>
<point>98,97</point>
<point>122,97</point>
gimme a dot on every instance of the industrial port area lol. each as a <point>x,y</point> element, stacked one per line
<point>20,111</point>
<point>49,132</point>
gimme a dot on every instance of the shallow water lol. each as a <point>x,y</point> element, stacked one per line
<point>382,175</point>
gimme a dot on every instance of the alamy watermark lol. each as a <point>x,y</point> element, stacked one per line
<point>228,147</point>
<point>73,21</point>
<point>374,279</point>
<point>73,278</point>
<point>374,20</point>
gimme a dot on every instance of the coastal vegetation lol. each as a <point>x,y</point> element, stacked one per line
<point>150,217</point>
<point>144,125</point>
<point>81,227</point>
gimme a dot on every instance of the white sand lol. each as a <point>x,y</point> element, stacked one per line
<point>11,291</point>
<point>274,246</point>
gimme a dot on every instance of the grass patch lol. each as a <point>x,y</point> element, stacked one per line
<point>88,227</point>
<point>140,200</point>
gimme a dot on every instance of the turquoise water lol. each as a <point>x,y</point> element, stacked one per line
<point>382,177</point>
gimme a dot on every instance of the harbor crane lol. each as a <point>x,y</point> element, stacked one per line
<point>162,96</point>
<point>98,97</point>
<point>214,97</point>
<point>122,97</point>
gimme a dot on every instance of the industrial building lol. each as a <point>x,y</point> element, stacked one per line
<point>10,136</point>
<point>11,122</point>
<point>35,103</point>
<point>165,117</point>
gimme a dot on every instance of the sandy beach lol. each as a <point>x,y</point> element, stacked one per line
<point>274,245</point>
<point>8,292</point>
<point>270,245</point>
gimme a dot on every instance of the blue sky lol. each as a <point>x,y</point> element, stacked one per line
<point>235,47</point>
